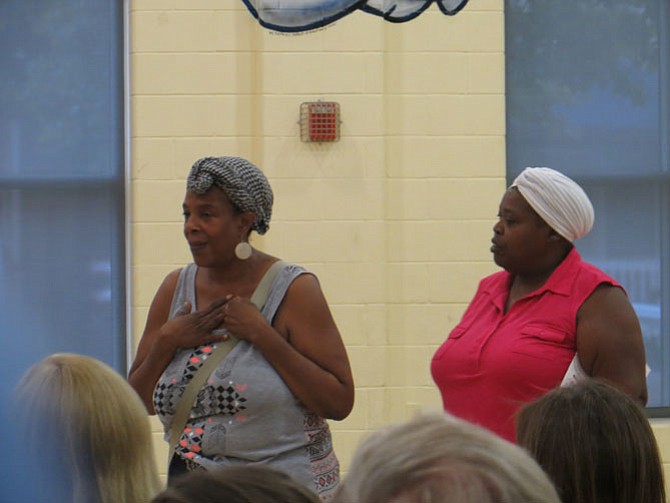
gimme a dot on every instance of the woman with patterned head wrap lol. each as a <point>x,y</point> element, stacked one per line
<point>268,399</point>
<point>546,319</point>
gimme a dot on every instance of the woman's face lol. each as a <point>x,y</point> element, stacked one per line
<point>520,237</point>
<point>212,227</point>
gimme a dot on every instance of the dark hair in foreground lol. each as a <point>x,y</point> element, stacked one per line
<point>237,484</point>
<point>596,444</point>
<point>436,458</point>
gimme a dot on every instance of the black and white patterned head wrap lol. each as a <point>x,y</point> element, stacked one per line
<point>242,182</point>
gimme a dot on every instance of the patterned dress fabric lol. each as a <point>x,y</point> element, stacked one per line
<point>245,413</point>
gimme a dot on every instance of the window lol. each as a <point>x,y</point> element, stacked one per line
<point>588,93</point>
<point>62,216</point>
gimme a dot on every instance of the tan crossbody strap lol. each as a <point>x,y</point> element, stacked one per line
<point>183,411</point>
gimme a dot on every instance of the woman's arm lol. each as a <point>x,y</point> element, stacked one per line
<point>304,346</point>
<point>163,337</point>
<point>609,341</point>
<point>151,357</point>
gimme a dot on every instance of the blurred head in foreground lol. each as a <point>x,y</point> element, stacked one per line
<point>437,458</point>
<point>237,484</point>
<point>86,433</point>
<point>596,444</point>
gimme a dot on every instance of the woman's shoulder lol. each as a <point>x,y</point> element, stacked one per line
<point>284,267</point>
<point>297,281</point>
<point>171,283</point>
<point>585,272</point>
<point>592,276</point>
<point>170,280</point>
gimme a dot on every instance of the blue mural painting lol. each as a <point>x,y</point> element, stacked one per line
<point>304,15</point>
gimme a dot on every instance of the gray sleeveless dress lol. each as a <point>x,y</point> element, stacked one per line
<point>245,413</point>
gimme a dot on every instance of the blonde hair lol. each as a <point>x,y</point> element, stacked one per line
<point>81,419</point>
<point>436,458</point>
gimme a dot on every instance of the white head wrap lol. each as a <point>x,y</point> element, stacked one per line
<point>558,200</point>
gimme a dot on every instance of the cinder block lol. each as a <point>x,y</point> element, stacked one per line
<point>137,5</point>
<point>354,199</point>
<point>157,201</point>
<point>174,116</point>
<point>406,282</point>
<point>377,398</point>
<point>485,73</point>
<point>403,403</point>
<point>193,31</point>
<point>408,365</point>
<point>446,114</point>
<point>353,157</point>
<point>160,244</point>
<point>408,199</point>
<point>358,282</point>
<point>147,279</point>
<point>434,31</point>
<point>344,445</point>
<point>160,452</point>
<point>486,5</point>
<point>435,73</point>
<point>424,241</point>
<point>209,73</point>
<point>444,199</point>
<point>420,324</point>
<point>357,419</point>
<point>321,72</point>
<point>357,32</point>
<point>297,199</point>
<point>362,324</point>
<point>368,365</point>
<point>440,156</point>
<point>153,159</point>
<point>156,427</point>
<point>661,429</point>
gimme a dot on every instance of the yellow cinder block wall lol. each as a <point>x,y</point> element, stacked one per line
<point>395,218</point>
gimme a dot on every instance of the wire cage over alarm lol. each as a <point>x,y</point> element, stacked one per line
<point>319,121</point>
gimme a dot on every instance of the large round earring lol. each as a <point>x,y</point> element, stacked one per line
<point>243,250</point>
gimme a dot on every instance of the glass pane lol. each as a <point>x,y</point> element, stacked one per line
<point>56,259</point>
<point>61,89</point>
<point>587,95</point>
<point>62,264</point>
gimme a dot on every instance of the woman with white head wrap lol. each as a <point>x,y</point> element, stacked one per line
<point>268,399</point>
<point>558,200</point>
<point>546,318</point>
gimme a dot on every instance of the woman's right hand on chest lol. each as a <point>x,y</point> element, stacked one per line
<point>192,329</point>
<point>163,336</point>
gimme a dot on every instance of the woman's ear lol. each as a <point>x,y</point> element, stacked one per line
<point>553,235</point>
<point>247,219</point>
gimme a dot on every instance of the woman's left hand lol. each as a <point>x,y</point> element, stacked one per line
<point>243,319</point>
<point>303,345</point>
